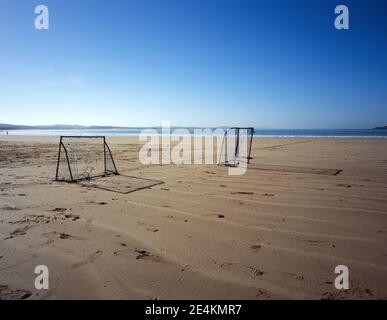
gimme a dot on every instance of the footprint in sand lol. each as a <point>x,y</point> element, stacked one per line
<point>242,192</point>
<point>241,268</point>
<point>146,255</point>
<point>185,267</point>
<point>262,294</point>
<point>313,242</point>
<point>61,210</point>
<point>7,294</point>
<point>52,236</point>
<point>20,231</point>
<point>9,207</point>
<point>71,216</point>
<point>92,257</point>
<point>218,215</point>
<point>69,236</point>
<point>256,247</point>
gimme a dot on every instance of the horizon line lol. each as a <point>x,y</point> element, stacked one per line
<point>3,126</point>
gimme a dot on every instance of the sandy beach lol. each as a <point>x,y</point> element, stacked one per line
<point>303,207</point>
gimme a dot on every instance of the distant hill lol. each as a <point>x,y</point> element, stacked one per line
<point>382,128</point>
<point>5,126</point>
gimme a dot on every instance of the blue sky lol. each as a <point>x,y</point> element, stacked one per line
<point>277,64</point>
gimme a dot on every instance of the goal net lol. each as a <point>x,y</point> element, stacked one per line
<point>236,146</point>
<point>84,157</point>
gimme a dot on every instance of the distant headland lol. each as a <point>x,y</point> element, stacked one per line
<point>383,128</point>
<point>5,126</point>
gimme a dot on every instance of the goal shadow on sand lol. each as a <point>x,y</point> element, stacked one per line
<point>293,169</point>
<point>121,183</point>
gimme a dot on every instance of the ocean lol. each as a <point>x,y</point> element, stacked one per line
<point>264,133</point>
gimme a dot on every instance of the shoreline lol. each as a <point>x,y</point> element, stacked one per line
<point>28,136</point>
<point>191,131</point>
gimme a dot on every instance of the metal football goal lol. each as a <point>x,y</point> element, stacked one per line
<point>83,158</point>
<point>236,146</point>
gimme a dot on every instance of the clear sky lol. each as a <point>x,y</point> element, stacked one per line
<point>277,64</point>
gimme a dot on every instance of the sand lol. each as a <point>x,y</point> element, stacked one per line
<point>277,232</point>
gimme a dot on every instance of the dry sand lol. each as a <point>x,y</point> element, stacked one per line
<point>278,231</point>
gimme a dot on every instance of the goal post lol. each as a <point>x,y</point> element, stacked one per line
<point>236,146</point>
<point>83,158</point>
